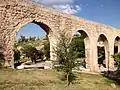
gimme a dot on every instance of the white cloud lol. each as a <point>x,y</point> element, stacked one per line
<point>78,7</point>
<point>69,9</point>
<point>65,6</point>
<point>52,2</point>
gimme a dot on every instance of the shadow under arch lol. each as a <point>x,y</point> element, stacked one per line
<point>2,56</point>
<point>116,45</point>
<point>103,51</point>
<point>86,42</point>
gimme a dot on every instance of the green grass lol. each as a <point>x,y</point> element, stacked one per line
<point>48,80</point>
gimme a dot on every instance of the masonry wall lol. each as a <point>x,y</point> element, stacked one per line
<point>15,14</point>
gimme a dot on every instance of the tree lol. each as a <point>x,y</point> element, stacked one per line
<point>66,56</point>
<point>78,45</point>
<point>101,55</point>
<point>22,39</point>
<point>32,38</point>
<point>31,52</point>
<point>1,58</point>
<point>47,49</point>
<point>16,55</point>
<point>117,61</point>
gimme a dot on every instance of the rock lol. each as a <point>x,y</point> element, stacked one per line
<point>113,85</point>
<point>48,65</point>
<point>20,67</point>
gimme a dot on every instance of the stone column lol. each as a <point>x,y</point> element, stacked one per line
<point>87,52</point>
<point>52,41</point>
<point>93,56</point>
<point>8,54</point>
<point>9,59</point>
<point>118,46</point>
<point>106,53</point>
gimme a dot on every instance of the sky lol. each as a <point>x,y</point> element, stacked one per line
<point>102,11</point>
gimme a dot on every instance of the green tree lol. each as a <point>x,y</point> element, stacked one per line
<point>40,54</point>
<point>117,61</point>
<point>16,55</point>
<point>78,45</point>
<point>101,55</point>
<point>31,52</point>
<point>1,59</point>
<point>47,49</point>
<point>32,38</point>
<point>2,56</point>
<point>22,39</point>
<point>66,57</point>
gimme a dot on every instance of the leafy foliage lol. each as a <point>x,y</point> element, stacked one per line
<point>47,49</point>
<point>117,60</point>
<point>16,55</point>
<point>66,56</point>
<point>32,38</point>
<point>101,55</point>
<point>1,58</point>
<point>22,39</point>
<point>31,52</point>
<point>78,45</point>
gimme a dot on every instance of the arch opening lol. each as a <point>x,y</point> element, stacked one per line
<point>116,45</point>
<point>81,45</point>
<point>102,51</point>
<point>32,43</point>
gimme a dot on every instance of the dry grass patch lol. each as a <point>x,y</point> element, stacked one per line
<point>48,80</point>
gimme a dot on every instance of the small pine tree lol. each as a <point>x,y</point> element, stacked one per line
<point>66,56</point>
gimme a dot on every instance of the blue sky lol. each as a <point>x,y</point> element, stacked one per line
<point>31,29</point>
<point>103,11</point>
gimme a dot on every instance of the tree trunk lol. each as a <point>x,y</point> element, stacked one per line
<point>68,82</point>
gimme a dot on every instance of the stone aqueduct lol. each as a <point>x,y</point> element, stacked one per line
<point>14,14</point>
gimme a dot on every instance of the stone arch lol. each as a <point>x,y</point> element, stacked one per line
<point>21,15</point>
<point>44,26</point>
<point>117,44</point>
<point>103,42</point>
<point>38,22</point>
<point>86,38</point>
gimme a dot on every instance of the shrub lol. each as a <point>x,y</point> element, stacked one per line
<point>117,61</point>
<point>47,49</point>
<point>66,57</point>
<point>16,55</point>
<point>31,52</point>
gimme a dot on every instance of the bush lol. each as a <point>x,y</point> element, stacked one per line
<point>117,61</point>
<point>66,56</point>
<point>47,49</point>
<point>16,55</point>
<point>78,45</point>
<point>32,53</point>
<point>1,59</point>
